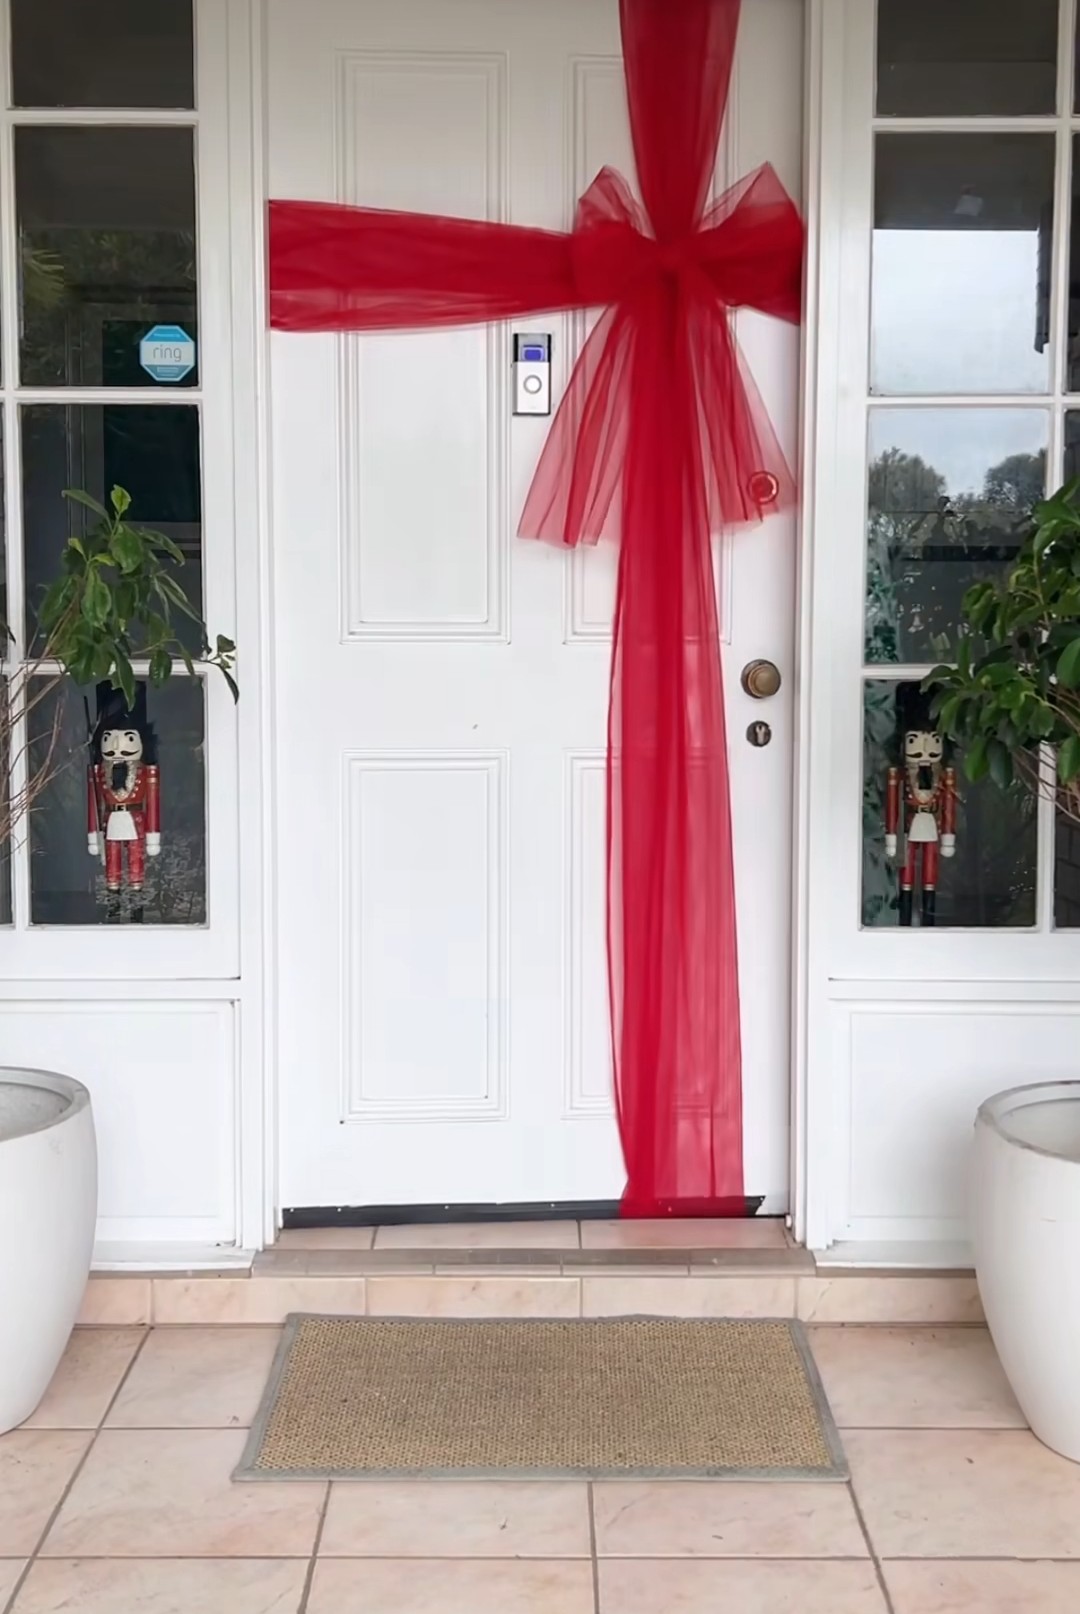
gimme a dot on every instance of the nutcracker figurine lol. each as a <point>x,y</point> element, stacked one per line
<point>123,795</point>
<point>921,791</point>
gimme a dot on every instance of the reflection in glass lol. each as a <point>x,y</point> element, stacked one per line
<point>990,881</point>
<point>949,497</point>
<point>5,802</point>
<point>1067,874</point>
<point>1072,381</point>
<point>152,451</point>
<point>102,53</point>
<point>966,58</point>
<point>67,885</point>
<point>963,225</point>
<point>107,243</point>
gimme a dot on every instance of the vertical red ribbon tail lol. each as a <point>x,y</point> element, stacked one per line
<point>672,937</point>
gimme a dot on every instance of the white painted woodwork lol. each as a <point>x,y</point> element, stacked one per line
<point>901,1034</point>
<point>162,1077</point>
<point>441,699</point>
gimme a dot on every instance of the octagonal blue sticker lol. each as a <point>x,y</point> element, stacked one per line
<point>167,353</point>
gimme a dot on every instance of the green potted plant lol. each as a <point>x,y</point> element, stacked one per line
<point>1010,697</point>
<point>115,604</point>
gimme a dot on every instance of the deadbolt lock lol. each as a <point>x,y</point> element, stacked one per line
<point>761,679</point>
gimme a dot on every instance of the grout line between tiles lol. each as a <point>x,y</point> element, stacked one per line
<point>592,1548</point>
<point>79,1466</point>
<point>875,1560</point>
<point>933,1428</point>
<point>547,1558</point>
<point>313,1560</point>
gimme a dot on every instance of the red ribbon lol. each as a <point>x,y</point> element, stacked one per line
<point>661,435</point>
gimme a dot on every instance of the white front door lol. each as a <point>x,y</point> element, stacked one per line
<point>441,685</point>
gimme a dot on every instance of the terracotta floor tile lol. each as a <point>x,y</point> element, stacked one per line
<point>965,1494</point>
<point>685,1586</point>
<point>983,1588</point>
<point>115,1302</point>
<point>35,1467</point>
<point>259,1300</point>
<point>479,1236</point>
<point>894,1297</point>
<point>692,1234</point>
<point>911,1378</point>
<point>457,1519</point>
<point>85,1382</point>
<point>417,1586</point>
<point>163,1586</point>
<point>168,1493</point>
<point>196,1378</point>
<point>325,1238</point>
<point>473,1297</point>
<point>10,1570</point>
<point>754,1295</point>
<point>725,1520</point>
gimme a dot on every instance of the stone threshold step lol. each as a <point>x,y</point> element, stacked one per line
<point>287,1262</point>
<point>267,1297</point>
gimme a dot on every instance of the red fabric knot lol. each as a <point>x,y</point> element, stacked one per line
<point>605,260</point>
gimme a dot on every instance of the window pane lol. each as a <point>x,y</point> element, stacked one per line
<point>963,225</point>
<point>6,823</point>
<point>68,886</point>
<point>1073,351</point>
<point>151,451</point>
<point>950,492</point>
<point>1067,875</point>
<point>966,57</point>
<point>107,239</point>
<point>989,881</point>
<point>102,53</point>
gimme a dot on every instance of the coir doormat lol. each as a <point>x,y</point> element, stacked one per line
<point>379,1398</point>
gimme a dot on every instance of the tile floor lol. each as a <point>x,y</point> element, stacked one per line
<point>116,1499</point>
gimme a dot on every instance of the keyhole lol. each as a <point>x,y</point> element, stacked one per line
<point>759,733</point>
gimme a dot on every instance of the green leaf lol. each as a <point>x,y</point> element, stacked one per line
<point>126,548</point>
<point>79,497</point>
<point>234,688</point>
<point>1001,764</point>
<point>125,676</point>
<point>1068,759</point>
<point>975,760</point>
<point>167,546</point>
<point>1041,722</point>
<point>120,499</point>
<point>1067,670</point>
<point>225,647</point>
<point>97,599</point>
<point>160,666</point>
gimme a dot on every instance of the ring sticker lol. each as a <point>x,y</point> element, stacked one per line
<point>763,488</point>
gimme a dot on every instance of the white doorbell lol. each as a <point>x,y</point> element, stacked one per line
<point>532,375</point>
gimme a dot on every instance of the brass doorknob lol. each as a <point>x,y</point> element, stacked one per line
<point>761,679</point>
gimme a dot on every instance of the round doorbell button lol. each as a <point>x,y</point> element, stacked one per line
<point>532,383</point>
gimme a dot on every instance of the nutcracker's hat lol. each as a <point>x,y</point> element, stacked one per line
<point>113,712</point>
<point>913,709</point>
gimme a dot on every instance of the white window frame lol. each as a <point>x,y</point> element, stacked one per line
<point>114,952</point>
<point>843,967</point>
<point>858,953</point>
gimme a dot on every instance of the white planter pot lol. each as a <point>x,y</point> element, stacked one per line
<point>48,1208</point>
<point>1026,1225</point>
